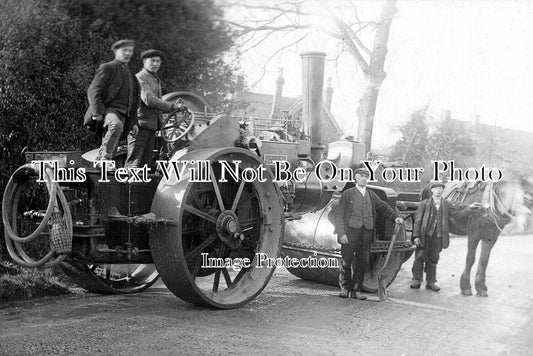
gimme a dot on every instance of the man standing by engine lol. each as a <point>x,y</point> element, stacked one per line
<point>141,146</point>
<point>113,98</point>
<point>431,233</point>
<point>355,218</point>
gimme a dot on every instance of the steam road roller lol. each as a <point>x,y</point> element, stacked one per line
<point>214,200</point>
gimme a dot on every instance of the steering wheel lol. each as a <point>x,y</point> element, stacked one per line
<point>176,125</point>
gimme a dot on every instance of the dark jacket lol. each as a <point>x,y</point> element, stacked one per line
<point>344,209</point>
<point>149,113</point>
<point>423,215</point>
<point>104,88</point>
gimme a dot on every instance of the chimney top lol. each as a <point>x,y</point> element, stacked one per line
<point>280,79</point>
<point>446,114</point>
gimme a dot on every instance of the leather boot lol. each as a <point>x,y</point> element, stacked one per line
<point>344,293</point>
<point>416,284</point>
<point>432,286</point>
<point>358,295</point>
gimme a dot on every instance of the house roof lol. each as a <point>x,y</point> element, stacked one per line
<point>260,105</point>
<point>510,148</point>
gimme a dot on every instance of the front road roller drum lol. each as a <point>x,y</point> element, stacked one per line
<point>313,237</point>
<point>215,220</point>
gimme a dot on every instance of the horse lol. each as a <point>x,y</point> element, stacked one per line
<point>502,202</point>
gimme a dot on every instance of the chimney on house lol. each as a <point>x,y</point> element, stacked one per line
<point>329,94</point>
<point>475,119</point>
<point>446,114</point>
<point>276,102</point>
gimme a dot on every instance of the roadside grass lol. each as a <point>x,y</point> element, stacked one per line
<point>25,283</point>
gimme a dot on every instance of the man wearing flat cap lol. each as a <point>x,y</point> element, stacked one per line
<point>355,218</point>
<point>431,233</point>
<point>113,99</point>
<point>141,146</point>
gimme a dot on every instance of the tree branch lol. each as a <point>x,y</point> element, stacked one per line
<point>245,29</point>
<point>353,35</point>
<point>265,37</point>
<point>274,54</point>
<point>347,39</point>
<point>294,11</point>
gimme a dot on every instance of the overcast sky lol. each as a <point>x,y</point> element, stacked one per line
<point>472,57</point>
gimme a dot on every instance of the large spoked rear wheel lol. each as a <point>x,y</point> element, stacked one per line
<point>110,278</point>
<point>217,225</point>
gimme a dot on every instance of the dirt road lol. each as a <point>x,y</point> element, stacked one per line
<point>294,317</point>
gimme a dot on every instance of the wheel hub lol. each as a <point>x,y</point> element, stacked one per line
<point>228,229</point>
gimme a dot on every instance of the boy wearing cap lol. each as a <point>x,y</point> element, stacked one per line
<point>113,96</point>
<point>431,233</point>
<point>140,146</point>
<point>355,217</point>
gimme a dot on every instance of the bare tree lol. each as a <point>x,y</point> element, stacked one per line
<point>343,25</point>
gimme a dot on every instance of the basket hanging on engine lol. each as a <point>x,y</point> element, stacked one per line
<point>60,238</point>
<point>57,215</point>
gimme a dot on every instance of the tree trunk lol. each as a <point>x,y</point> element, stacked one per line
<point>374,76</point>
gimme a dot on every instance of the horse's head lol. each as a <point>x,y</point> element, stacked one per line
<point>527,186</point>
<point>512,200</point>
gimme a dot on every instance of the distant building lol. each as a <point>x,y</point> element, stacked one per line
<point>277,106</point>
<point>498,147</point>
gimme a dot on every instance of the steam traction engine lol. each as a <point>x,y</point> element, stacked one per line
<point>113,232</point>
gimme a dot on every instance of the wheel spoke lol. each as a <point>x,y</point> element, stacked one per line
<point>238,196</point>
<point>217,190</point>
<point>222,251</point>
<point>196,199</point>
<point>246,223</point>
<point>241,252</point>
<point>196,267</point>
<point>247,197</point>
<point>201,246</point>
<point>216,282</point>
<point>241,274</point>
<point>249,242</point>
<point>189,231</point>
<point>199,213</point>
<point>226,276</point>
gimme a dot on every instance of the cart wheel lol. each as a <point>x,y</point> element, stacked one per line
<point>110,278</point>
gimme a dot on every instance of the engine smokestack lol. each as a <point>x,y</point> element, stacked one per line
<point>312,85</point>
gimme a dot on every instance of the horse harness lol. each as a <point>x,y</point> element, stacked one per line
<point>489,197</point>
<point>496,215</point>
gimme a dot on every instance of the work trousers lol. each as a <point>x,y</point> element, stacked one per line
<point>140,148</point>
<point>359,241</point>
<point>427,255</point>
<point>114,123</point>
